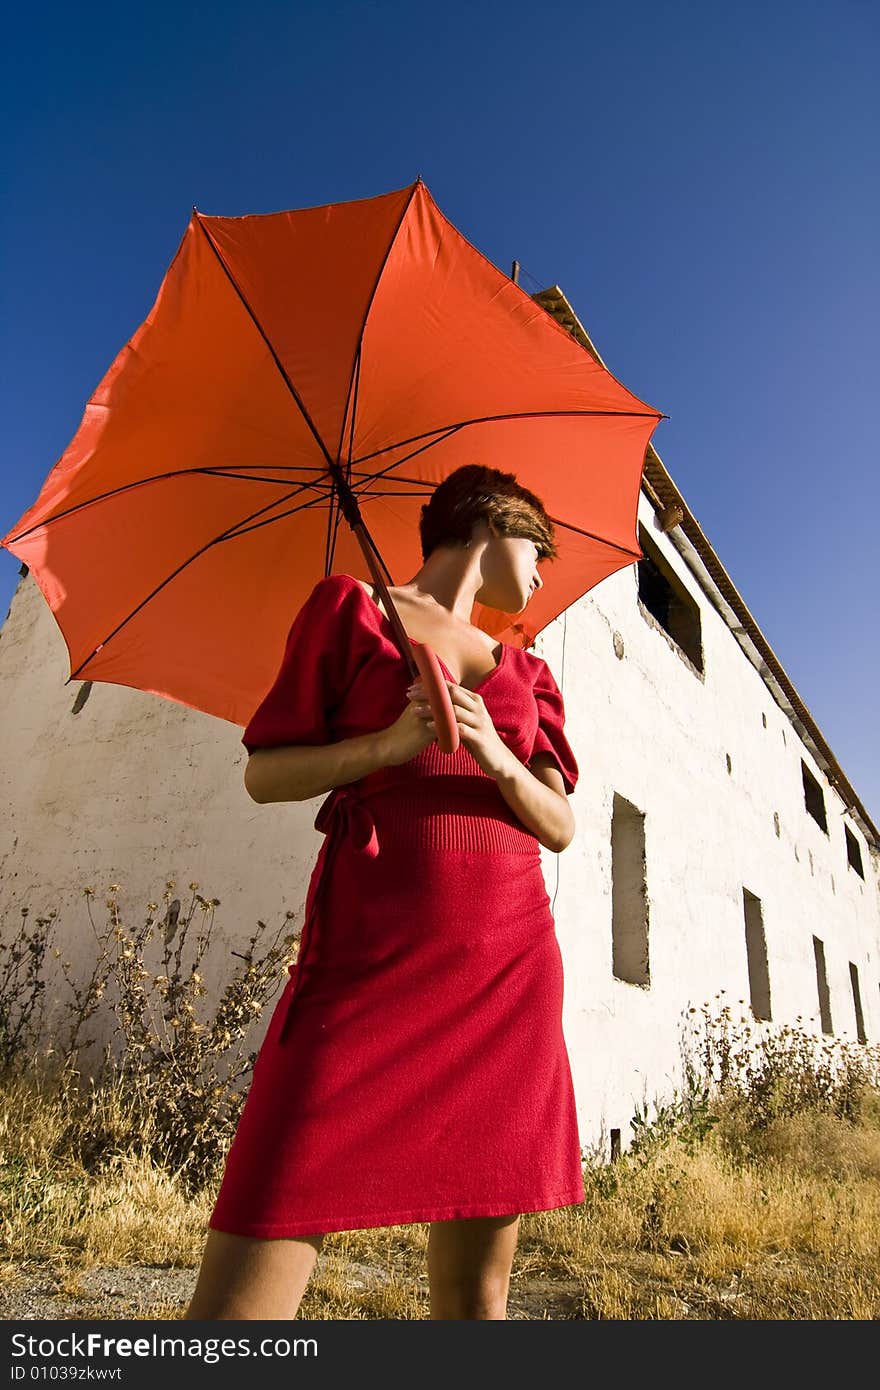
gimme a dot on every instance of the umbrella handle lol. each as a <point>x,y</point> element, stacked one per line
<point>437,692</point>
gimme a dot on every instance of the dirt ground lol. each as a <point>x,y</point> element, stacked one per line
<point>39,1291</point>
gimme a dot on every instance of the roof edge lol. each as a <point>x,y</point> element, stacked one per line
<point>674,513</point>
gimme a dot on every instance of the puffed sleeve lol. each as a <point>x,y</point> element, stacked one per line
<point>550,737</point>
<point>314,674</point>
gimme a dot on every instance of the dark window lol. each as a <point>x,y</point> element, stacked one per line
<point>666,599</point>
<point>813,798</point>
<point>857,1003</point>
<point>853,853</point>
<point>629,898</point>
<point>756,955</point>
<point>822,986</point>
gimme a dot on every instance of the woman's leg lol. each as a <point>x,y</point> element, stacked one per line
<point>243,1277</point>
<point>469,1263</point>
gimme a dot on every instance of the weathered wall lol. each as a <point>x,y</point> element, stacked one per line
<point>136,791</point>
<point>646,726</point>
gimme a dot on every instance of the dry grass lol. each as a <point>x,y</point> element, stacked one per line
<point>678,1235</point>
<point>754,1195</point>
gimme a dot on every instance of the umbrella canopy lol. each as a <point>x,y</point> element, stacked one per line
<point>298,368</point>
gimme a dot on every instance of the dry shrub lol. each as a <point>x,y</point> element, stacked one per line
<point>814,1141</point>
<point>751,1194</point>
<point>783,1089</point>
<point>169,1083</point>
<point>21,987</point>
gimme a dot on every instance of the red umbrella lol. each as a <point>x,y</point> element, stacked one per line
<point>298,368</point>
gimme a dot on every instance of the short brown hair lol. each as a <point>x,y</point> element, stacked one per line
<point>473,493</point>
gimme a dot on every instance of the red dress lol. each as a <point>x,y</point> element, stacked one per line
<point>414,1068</point>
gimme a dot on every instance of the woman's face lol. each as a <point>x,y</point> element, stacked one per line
<point>510,566</point>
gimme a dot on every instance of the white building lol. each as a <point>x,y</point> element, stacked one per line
<point>719,845</point>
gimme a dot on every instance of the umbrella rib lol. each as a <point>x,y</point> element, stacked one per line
<point>421,485</point>
<point>514,415</point>
<point>231,470</point>
<point>256,322</point>
<point>236,471</point>
<point>231,534</point>
<point>242,529</point>
<point>331,544</point>
<point>361,492</point>
<point>334,511</point>
<point>227,470</point>
<point>234,534</point>
<point>354,375</point>
<point>371,477</point>
<point>357,382</point>
<point>591,535</point>
<point>351,398</point>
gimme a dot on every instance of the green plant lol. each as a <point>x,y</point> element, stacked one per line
<point>686,1117</point>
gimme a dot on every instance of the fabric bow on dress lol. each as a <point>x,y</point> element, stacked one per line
<point>342,815</point>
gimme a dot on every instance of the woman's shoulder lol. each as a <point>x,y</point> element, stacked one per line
<point>531,662</point>
<point>334,588</point>
<point>331,600</point>
<point>539,674</point>
<point>337,581</point>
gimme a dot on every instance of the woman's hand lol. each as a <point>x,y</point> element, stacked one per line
<point>475,727</point>
<point>409,734</point>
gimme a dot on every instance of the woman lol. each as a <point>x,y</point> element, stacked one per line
<point>414,1069</point>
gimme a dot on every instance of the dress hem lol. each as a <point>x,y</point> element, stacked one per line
<point>320,1226</point>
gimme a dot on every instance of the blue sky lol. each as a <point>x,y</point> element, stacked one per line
<point>700,179</point>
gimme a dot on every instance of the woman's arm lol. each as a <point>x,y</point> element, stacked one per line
<point>297,772</point>
<point>538,798</point>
